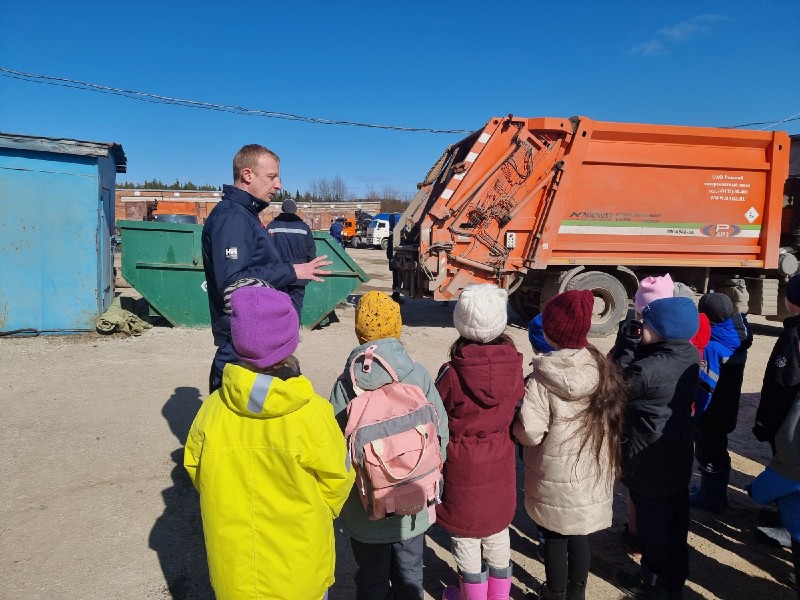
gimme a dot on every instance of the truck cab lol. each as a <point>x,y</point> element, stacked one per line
<point>354,229</point>
<point>378,231</point>
<point>379,228</point>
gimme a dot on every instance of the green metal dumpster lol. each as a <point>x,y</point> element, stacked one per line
<point>163,262</point>
<point>323,296</point>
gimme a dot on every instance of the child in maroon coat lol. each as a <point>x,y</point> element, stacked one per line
<point>480,387</point>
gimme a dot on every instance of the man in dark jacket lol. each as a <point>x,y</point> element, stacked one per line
<point>236,246</point>
<point>661,370</point>
<point>394,218</point>
<point>295,244</point>
<point>336,230</point>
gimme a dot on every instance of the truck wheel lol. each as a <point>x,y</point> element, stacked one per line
<point>384,244</point>
<point>355,242</point>
<point>610,300</point>
<point>524,304</point>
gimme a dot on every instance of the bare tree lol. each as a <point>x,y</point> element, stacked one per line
<point>330,190</point>
<point>387,192</point>
<point>320,189</point>
<point>339,189</point>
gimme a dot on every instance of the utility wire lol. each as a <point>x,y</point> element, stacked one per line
<point>766,124</point>
<point>241,110</point>
<point>792,118</point>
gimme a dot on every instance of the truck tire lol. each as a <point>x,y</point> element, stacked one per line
<point>524,304</point>
<point>384,244</point>
<point>610,300</point>
<point>355,242</point>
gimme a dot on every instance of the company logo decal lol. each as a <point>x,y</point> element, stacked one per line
<point>721,230</point>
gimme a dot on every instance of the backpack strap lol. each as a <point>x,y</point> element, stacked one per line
<point>369,355</point>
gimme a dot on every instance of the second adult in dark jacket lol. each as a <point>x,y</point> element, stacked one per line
<point>295,244</point>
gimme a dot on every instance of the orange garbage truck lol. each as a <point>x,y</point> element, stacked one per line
<point>542,205</point>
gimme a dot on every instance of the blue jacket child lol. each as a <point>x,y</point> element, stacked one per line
<point>717,402</point>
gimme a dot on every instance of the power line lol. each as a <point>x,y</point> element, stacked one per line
<point>794,117</point>
<point>240,110</point>
<point>255,112</point>
<point>766,124</point>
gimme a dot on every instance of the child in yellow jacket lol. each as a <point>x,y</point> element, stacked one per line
<point>269,461</point>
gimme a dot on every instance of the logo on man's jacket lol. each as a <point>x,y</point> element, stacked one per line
<point>780,362</point>
<point>232,253</point>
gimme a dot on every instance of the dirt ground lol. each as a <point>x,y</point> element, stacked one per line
<point>95,502</point>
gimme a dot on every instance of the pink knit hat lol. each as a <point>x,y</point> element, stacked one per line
<point>264,326</point>
<point>652,288</point>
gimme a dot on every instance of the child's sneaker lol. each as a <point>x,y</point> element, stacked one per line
<point>774,536</point>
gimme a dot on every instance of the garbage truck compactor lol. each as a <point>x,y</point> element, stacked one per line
<point>542,205</point>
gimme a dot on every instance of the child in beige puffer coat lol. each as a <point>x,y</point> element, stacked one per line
<point>570,423</point>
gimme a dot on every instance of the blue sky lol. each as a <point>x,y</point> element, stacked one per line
<point>419,64</point>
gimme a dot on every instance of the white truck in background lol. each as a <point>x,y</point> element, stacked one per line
<point>378,230</point>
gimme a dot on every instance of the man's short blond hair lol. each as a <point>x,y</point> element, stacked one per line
<point>248,156</point>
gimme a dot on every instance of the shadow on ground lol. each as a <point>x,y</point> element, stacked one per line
<point>177,535</point>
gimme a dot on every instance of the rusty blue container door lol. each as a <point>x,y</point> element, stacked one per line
<point>56,223</point>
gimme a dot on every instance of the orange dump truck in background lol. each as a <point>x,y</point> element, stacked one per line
<point>542,205</point>
<point>354,229</point>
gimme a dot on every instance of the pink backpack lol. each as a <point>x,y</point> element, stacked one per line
<point>393,442</point>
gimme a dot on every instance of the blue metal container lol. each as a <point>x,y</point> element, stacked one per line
<point>56,228</point>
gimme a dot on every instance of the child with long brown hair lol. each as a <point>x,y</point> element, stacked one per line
<point>571,423</point>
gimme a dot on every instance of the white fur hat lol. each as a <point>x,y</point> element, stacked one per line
<point>481,314</point>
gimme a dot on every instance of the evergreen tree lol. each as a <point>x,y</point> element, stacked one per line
<point>156,184</point>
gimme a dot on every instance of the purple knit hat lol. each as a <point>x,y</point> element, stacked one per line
<point>264,326</point>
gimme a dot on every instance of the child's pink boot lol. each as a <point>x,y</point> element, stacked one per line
<point>499,583</point>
